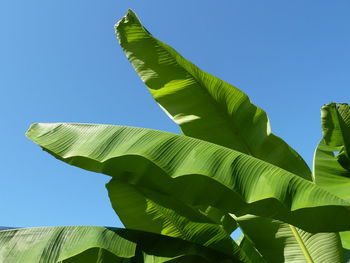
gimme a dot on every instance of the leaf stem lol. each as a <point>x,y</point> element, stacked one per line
<point>301,244</point>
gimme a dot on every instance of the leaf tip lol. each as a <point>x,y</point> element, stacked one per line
<point>36,130</point>
<point>129,17</point>
<point>31,130</point>
<point>122,27</point>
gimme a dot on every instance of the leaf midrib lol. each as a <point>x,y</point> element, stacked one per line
<point>301,244</point>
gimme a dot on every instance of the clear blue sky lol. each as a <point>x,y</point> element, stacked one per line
<point>60,62</point>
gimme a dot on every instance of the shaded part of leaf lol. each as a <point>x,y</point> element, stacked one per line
<point>336,130</point>
<point>216,215</point>
<point>247,245</point>
<point>97,255</point>
<point>346,255</point>
<point>166,247</point>
<point>147,210</point>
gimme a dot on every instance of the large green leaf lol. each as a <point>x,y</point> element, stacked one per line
<point>329,173</point>
<point>331,160</point>
<point>99,244</point>
<point>156,212</point>
<point>204,106</point>
<point>275,242</point>
<point>195,172</point>
<point>335,118</point>
<point>208,108</point>
<point>55,244</point>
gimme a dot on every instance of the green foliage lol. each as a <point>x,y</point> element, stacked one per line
<point>180,197</point>
<point>97,244</point>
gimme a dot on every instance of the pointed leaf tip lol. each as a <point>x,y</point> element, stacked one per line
<point>30,130</point>
<point>129,17</point>
<point>38,129</point>
<point>130,20</point>
<point>130,11</point>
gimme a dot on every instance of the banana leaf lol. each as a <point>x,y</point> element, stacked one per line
<point>331,159</point>
<point>195,172</point>
<point>275,243</point>
<point>141,209</point>
<point>250,249</point>
<point>99,244</point>
<point>204,106</point>
<point>208,108</point>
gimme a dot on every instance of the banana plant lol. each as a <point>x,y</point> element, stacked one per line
<point>180,197</point>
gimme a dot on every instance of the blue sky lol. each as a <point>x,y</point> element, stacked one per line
<point>60,62</point>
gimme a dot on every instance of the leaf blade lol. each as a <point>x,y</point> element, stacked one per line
<point>77,243</point>
<point>331,158</point>
<point>210,108</point>
<point>142,209</point>
<point>185,167</point>
<point>276,243</point>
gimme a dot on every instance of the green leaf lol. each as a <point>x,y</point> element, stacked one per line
<point>204,106</point>
<point>55,244</point>
<point>142,209</point>
<point>195,172</point>
<point>247,245</point>
<point>331,159</point>
<point>280,242</point>
<point>335,119</point>
<point>329,173</point>
<point>75,244</point>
